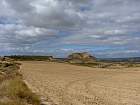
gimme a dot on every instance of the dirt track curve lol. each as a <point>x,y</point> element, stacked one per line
<point>63,84</point>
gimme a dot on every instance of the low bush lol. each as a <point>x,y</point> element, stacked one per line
<point>13,91</point>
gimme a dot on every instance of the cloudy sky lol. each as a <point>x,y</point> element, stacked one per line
<point>105,28</point>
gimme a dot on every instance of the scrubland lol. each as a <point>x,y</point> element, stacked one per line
<point>13,91</point>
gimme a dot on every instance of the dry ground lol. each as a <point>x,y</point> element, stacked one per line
<point>64,84</point>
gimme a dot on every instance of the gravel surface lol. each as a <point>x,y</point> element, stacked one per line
<point>64,84</point>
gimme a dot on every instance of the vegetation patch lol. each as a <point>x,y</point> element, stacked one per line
<point>13,91</point>
<point>30,58</point>
<point>110,65</point>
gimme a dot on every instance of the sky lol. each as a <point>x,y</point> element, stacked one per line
<point>104,28</point>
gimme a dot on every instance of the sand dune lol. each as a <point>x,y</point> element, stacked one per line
<point>63,84</point>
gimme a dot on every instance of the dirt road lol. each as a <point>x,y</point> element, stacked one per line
<point>65,84</point>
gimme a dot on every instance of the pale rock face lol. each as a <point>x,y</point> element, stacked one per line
<point>81,58</point>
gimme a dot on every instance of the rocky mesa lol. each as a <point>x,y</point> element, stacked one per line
<point>83,57</point>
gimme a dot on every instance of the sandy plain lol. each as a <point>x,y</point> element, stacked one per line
<point>64,84</point>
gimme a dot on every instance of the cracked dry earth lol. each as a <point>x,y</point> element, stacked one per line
<point>64,84</point>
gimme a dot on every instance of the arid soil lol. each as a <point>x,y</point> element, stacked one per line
<point>64,84</point>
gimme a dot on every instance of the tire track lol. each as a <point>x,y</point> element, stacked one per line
<point>62,84</point>
<point>90,98</point>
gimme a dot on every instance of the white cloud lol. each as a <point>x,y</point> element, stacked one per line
<point>85,22</point>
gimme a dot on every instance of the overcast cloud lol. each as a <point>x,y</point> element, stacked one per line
<point>105,28</point>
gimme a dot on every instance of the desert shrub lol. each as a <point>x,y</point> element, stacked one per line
<point>130,65</point>
<point>10,66</point>
<point>13,88</point>
<point>7,64</point>
<point>19,89</point>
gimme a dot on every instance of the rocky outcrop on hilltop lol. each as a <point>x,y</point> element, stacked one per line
<point>81,58</point>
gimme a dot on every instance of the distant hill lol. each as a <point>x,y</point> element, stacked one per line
<point>29,57</point>
<point>74,57</point>
<point>130,59</point>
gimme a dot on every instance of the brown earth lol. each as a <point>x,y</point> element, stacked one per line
<point>64,84</point>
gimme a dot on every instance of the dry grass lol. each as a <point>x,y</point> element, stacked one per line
<point>13,91</point>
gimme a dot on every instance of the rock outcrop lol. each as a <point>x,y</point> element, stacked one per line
<point>81,58</point>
